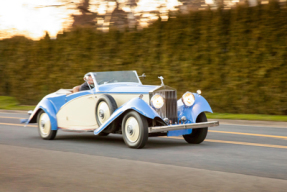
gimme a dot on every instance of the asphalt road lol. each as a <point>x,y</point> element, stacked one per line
<point>232,158</point>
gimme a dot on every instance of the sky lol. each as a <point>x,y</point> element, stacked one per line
<point>32,18</point>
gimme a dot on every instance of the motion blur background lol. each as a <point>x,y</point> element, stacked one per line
<point>234,51</point>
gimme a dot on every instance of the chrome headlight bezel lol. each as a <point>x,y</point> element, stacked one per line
<point>157,101</point>
<point>188,99</point>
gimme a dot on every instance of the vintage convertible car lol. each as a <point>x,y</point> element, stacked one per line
<point>119,103</point>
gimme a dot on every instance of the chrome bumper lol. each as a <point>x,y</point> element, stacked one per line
<point>183,126</point>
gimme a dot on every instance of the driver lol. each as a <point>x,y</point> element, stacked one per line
<point>88,80</point>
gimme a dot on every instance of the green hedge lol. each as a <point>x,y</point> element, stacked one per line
<point>237,57</point>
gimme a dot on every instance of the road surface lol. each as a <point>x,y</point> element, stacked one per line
<point>232,158</point>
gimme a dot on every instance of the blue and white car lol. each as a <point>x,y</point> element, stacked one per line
<point>120,104</point>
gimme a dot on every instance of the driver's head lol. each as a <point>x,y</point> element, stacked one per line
<point>88,78</point>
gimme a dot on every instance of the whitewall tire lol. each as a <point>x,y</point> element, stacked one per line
<point>44,126</point>
<point>135,130</point>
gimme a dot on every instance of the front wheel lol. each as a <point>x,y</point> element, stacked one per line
<point>198,135</point>
<point>44,127</point>
<point>135,130</point>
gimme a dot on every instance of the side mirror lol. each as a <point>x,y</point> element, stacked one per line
<point>143,75</point>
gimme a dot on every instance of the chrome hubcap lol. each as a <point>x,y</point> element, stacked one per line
<point>132,129</point>
<point>45,125</point>
<point>103,112</point>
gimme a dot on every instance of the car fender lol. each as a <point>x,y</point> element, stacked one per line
<point>136,104</point>
<point>48,107</point>
<point>200,105</point>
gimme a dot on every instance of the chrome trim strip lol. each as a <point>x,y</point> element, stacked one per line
<point>183,126</point>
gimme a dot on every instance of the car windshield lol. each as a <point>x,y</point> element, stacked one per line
<point>116,77</point>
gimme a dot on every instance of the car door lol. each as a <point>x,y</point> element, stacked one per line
<point>78,113</point>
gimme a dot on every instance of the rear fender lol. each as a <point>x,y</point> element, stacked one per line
<point>191,113</point>
<point>135,104</point>
<point>48,108</point>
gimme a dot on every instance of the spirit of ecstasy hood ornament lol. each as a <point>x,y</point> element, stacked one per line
<point>161,78</point>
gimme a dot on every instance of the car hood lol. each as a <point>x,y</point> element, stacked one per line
<point>126,88</point>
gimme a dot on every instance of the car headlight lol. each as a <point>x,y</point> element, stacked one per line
<point>188,99</point>
<point>157,101</point>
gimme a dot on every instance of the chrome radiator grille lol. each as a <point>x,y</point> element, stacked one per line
<point>169,109</point>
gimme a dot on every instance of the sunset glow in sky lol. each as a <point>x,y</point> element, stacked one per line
<point>32,18</point>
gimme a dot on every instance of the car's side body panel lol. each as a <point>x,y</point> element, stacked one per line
<point>135,104</point>
<point>78,113</point>
<point>51,104</point>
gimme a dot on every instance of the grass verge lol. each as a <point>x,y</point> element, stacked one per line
<point>10,103</point>
<point>258,117</point>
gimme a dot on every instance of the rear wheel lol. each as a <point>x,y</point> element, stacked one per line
<point>44,126</point>
<point>135,130</point>
<point>198,135</point>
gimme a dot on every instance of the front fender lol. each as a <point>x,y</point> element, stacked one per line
<point>136,104</point>
<point>200,105</point>
<point>48,107</point>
